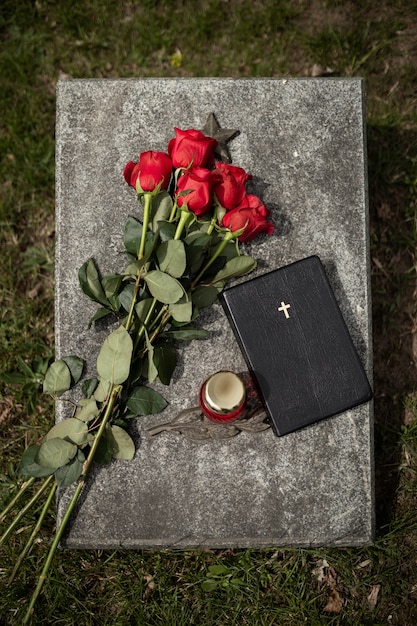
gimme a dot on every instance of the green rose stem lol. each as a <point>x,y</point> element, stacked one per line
<point>185,218</point>
<point>133,303</point>
<point>165,319</point>
<point>229,236</point>
<point>25,509</point>
<point>35,531</point>
<point>173,211</point>
<point>17,497</point>
<point>146,321</point>
<point>114,394</point>
<point>146,215</point>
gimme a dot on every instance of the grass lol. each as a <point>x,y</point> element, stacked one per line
<point>44,40</point>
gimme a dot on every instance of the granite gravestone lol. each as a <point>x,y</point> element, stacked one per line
<point>303,140</point>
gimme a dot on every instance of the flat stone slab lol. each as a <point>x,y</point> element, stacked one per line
<point>303,140</point>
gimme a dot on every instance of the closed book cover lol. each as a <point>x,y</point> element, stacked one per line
<point>297,345</point>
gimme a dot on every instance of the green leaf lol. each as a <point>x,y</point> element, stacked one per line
<point>134,267</point>
<point>142,308</point>
<point>217,570</point>
<point>71,428</point>
<point>152,372</point>
<point>198,239</point>
<point>113,362</point>
<point>209,585</point>
<point>126,295</point>
<point>111,284</point>
<point>69,473</point>
<point>172,258</point>
<point>75,365</point>
<point>91,284</point>
<point>89,386</point>
<point>166,230</point>
<point>164,287</point>
<point>235,267</point>
<point>146,401</point>
<point>205,296</point>
<point>124,443</point>
<point>87,411</point>
<point>57,379</point>
<point>132,235</point>
<point>102,390</point>
<point>161,208</point>
<point>55,453</point>
<point>165,359</point>
<point>98,315</point>
<point>28,466</point>
<point>105,448</point>
<point>186,333</point>
<point>196,251</point>
<point>182,311</point>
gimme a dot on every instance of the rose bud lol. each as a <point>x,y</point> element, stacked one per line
<point>198,183</point>
<point>251,215</point>
<point>191,148</point>
<point>152,170</point>
<point>231,189</point>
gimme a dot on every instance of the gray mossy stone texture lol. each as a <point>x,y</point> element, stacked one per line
<point>303,140</point>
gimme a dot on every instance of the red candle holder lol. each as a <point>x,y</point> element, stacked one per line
<point>223,397</point>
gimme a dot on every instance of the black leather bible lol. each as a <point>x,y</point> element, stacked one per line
<point>297,345</point>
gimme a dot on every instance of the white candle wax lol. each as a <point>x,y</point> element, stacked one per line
<point>224,391</point>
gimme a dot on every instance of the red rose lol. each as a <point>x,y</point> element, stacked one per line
<point>252,213</point>
<point>199,182</point>
<point>152,169</point>
<point>191,148</point>
<point>232,187</point>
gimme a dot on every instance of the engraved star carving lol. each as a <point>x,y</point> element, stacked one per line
<point>222,135</point>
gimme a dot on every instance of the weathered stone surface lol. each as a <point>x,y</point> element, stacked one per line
<point>303,141</point>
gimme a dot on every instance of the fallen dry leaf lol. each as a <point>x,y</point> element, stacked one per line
<point>150,587</point>
<point>320,570</point>
<point>334,603</point>
<point>326,575</point>
<point>373,596</point>
<point>319,70</point>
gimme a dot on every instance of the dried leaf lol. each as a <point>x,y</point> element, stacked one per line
<point>150,586</point>
<point>334,603</point>
<point>320,570</point>
<point>373,596</point>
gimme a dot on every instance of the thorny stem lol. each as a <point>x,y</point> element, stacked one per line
<point>114,394</point>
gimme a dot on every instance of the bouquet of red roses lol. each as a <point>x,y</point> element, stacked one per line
<point>180,254</point>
